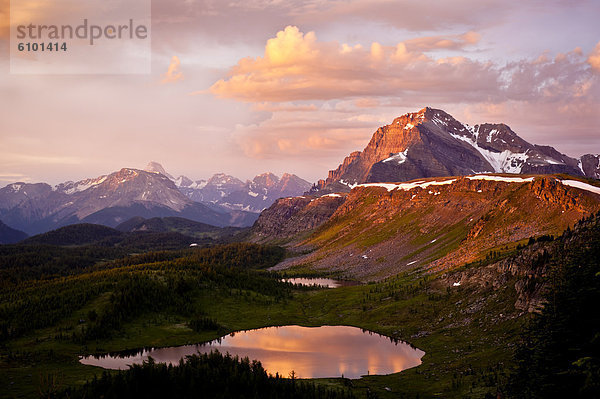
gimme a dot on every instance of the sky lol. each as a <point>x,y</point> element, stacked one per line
<point>246,87</point>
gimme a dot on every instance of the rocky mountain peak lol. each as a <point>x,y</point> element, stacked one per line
<point>431,143</point>
<point>222,178</point>
<point>266,179</point>
<point>183,181</point>
<point>155,167</point>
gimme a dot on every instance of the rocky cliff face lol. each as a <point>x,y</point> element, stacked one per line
<point>289,217</point>
<point>590,165</point>
<point>432,143</point>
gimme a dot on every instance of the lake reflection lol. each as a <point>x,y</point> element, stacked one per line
<point>312,352</point>
<point>323,282</point>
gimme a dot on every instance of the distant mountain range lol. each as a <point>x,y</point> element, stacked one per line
<point>432,143</point>
<point>112,199</point>
<point>252,196</point>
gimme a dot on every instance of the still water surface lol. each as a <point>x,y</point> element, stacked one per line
<point>312,352</point>
<point>323,282</point>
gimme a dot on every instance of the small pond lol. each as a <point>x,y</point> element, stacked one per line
<point>323,282</point>
<point>311,352</point>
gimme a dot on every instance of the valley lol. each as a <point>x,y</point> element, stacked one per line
<point>474,247</point>
<point>469,332</point>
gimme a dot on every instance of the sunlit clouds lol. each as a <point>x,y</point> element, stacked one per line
<point>296,66</point>
<point>594,58</point>
<point>173,73</point>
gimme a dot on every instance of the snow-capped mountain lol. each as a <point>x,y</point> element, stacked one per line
<point>432,143</point>
<point>231,193</point>
<point>212,190</point>
<point>111,199</point>
<point>259,193</point>
<point>108,200</point>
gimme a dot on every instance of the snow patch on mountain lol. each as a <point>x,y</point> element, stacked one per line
<point>76,187</point>
<point>581,185</point>
<point>345,183</point>
<point>502,162</point>
<point>399,157</point>
<point>501,178</point>
<point>16,187</point>
<point>425,184</point>
<point>408,186</point>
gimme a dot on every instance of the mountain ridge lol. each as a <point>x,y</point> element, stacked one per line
<point>381,229</point>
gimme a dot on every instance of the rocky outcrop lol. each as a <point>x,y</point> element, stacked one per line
<point>525,272</point>
<point>590,165</point>
<point>289,217</point>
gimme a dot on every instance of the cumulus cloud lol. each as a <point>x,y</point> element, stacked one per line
<point>296,66</point>
<point>594,58</point>
<point>173,73</point>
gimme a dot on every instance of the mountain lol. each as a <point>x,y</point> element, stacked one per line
<point>381,229</point>
<point>9,235</point>
<point>214,190</point>
<point>231,193</point>
<point>432,143</point>
<point>107,200</point>
<point>263,190</point>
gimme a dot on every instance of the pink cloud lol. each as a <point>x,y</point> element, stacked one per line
<point>173,73</point>
<point>296,66</point>
<point>594,58</point>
